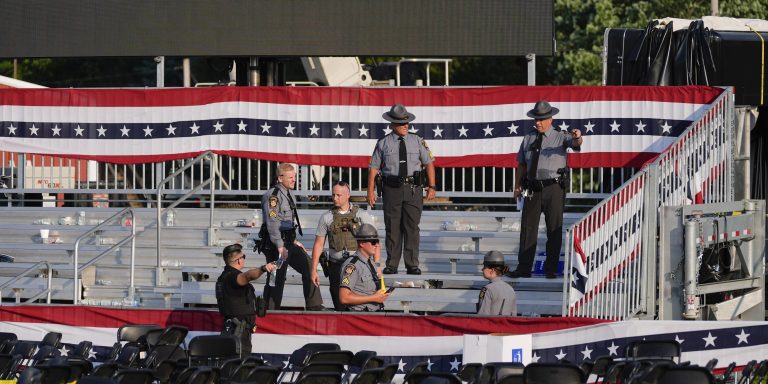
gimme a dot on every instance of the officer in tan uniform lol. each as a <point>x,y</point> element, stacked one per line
<point>339,225</point>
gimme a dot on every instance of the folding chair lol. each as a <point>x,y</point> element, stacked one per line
<point>263,375</point>
<point>134,376</point>
<point>511,379</point>
<point>211,350</point>
<point>432,378</point>
<point>96,380</point>
<point>468,372</point>
<point>301,356</point>
<point>82,350</point>
<point>368,376</point>
<point>420,367</point>
<point>339,357</point>
<point>320,378</point>
<point>203,375</point>
<point>334,368</point>
<point>388,373</point>
<point>552,373</point>
<point>52,339</point>
<point>687,375</point>
<point>168,347</point>
<point>665,349</point>
<point>31,376</point>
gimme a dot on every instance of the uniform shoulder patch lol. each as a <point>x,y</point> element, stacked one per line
<point>429,151</point>
<point>273,202</point>
<point>482,293</point>
<point>348,270</point>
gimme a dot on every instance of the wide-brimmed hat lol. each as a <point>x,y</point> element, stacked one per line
<point>398,114</point>
<point>542,110</point>
<point>366,232</point>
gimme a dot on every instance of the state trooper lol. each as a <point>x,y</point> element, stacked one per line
<point>236,297</point>
<point>400,157</point>
<point>359,289</point>
<point>338,224</point>
<point>278,239</point>
<point>498,297</point>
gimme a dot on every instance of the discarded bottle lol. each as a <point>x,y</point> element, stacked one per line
<point>81,218</point>
<point>256,219</point>
<point>170,218</point>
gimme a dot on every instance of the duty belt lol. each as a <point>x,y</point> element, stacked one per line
<point>538,185</point>
<point>397,180</point>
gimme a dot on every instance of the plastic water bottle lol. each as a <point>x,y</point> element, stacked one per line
<point>256,220</point>
<point>170,218</point>
<point>81,218</point>
<point>273,275</point>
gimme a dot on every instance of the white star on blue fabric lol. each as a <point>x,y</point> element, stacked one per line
<point>613,349</point>
<point>11,130</point>
<point>666,128</point>
<point>387,130</point>
<point>265,127</point>
<point>171,130</point>
<point>679,340</point>
<point>102,131</point>
<point>289,129</point>
<point>429,364</point>
<point>401,365</point>
<point>338,131</point>
<point>313,130</point>
<point>125,131</point>
<point>33,130</point>
<point>488,130</point>
<point>91,354</point>
<point>513,129</point>
<point>463,131</point>
<point>535,358</point>
<point>640,126</point>
<point>709,340</point>
<point>615,126</point>
<point>455,364</point>
<point>363,131</point>
<point>79,131</point>
<point>241,126</point>
<point>742,337</point>
<point>413,129</point>
<point>63,350</point>
<point>147,131</point>
<point>56,130</point>
<point>438,131</point>
<point>563,126</point>
<point>561,355</point>
<point>589,126</point>
<point>195,129</point>
<point>218,127</point>
<point>586,353</point>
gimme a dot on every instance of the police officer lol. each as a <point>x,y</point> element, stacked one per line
<point>541,172</point>
<point>360,283</point>
<point>278,236</point>
<point>236,298</point>
<point>339,224</point>
<point>498,297</point>
<point>400,156</point>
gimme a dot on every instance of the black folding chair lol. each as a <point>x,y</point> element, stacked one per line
<point>134,376</point>
<point>82,350</point>
<point>687,375</point>
<point>468,372</point>
<point>432,378</point>
<point>96,380</point>
<point>301,356</point>
<point>31,375</point>
<point>552,373</point>
<point>52,339</point>
<point>420,367</point>
<point>369,376</point>
<point>168,347</point>
<point>511,379</point>
<point>320,378</point>
<point>665,349</point>
<point>263,375</point>
<point>388,373</point>
<point>211,350</point>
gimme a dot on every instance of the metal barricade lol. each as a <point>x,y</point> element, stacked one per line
<point>611,252</point>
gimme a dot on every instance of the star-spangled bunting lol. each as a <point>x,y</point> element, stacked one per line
<point>274,123</point>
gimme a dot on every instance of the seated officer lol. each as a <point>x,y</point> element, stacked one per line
<point>236,297</point>
<point>498,297</point>
<point>359,283</point>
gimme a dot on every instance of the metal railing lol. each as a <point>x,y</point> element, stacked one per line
<point>24,273</point>
<point>616,240</point>
<point>76,297</point>
<point>214,171</point>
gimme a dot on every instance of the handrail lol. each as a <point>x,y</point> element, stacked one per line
<point>160,210</point>
<point>76,295</point>
<point>24,273</point>
<point>423,60</point>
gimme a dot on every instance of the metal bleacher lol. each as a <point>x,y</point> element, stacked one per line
<point>450,260</point>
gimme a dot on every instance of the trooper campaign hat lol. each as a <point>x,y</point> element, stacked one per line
<point>366,232</point>
<point>398,114</point>
<point>542,110</point>
<point>493,259</point>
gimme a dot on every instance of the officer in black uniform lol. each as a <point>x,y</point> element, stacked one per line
<point>236,298</point>
<point>278,239</point>
<point>360,283</point>
<point>400,156</point>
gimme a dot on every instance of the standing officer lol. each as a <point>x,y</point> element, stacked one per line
<point>278,237</point>
<point>400,156</point>
<point>236,297</point>
<point>498,297</point>
<point>542,173</point>
<point>359,285</point>
<point>339,224</point>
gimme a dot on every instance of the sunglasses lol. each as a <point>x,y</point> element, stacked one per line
<point>373,242</point>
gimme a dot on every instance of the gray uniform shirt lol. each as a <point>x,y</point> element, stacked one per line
<point>277,213</point>
<point>359,278</point>
<point>497,298</point>
<point>553,151</point>
<point>386,155</point>
<point>325,222</point>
